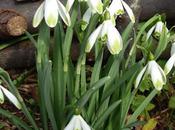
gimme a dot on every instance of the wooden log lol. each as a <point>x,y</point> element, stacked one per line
<point>20,55</point>
<point>25,0</point>
<point>148,8</point>
<point>151,7</point>
<point>26,9</point>
<point>11,24</point>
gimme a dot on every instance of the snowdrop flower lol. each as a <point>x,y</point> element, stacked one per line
<point>10,96</point>
<point>157,75</point>
<point>157,29</point>
<point>106,31</point>
<point>50,9</point>
<point>171,62</point>
<point>77,123</point>
<point>117,8</point>
<point>96,6</point>
<point>86,18</point>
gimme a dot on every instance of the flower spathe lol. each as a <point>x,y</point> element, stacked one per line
<point>106,31</point>
<point>155,71</point>
<point>77,123</point>
<point>10,96</point>
<point>171,62</point>
<point>157,29</point>
<point>118,7</point>
<point>49,10</point>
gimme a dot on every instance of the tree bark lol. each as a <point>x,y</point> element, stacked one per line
<point>20,55</point>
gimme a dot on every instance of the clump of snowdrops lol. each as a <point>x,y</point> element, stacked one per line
<point>69,99</point>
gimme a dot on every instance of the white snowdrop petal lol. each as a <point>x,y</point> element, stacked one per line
<point>86,18</point>
<point>39,14</point>
<point>159,27</point>
<point>116,7</point>
<point>114,43</point>
<point>71,124</point>
<point>96,6</point>
<point>139,77</point>
<point>1,96</point>
<point>11,97</point>
<point>156,77</point>
<point>169,64</point>
<point>173,49</point>
<point>69,4</point>
<point>93,37</point>
<point>150,32</point>
<point>77,125</point>
<point>64,13</point>
<point>84,125</point>
<point>129,11</point>
<point>51,12</point>
<point>104,29</point>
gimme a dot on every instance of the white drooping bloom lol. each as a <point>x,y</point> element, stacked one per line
<point>96,6</point>
<point>157,29</point>
<point>155,71</point>
<point>10,96</point>
<point>50,9</point>
<point>86,18</point>
<point>118,7</point>
<point>106,31</point>
<point>171,62</point>
<point>77,123</point>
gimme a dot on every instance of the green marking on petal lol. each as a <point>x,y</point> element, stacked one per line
<point>84,25</point>
<point>51,20</point>
<point>1,101</point>
<point>133,19</point>
<point>158,85</point>
<point>156,35</point>
<point>166,70</point>
<point>116,48</point>
<point>120,12</point>
<point>100,8</point>
<point>88,47</point>
<point>104,38</point>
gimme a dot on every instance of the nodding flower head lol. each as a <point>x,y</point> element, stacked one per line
<point>157,30</point>
<point>49,10</point>
<point>10,96</point>
<point>106,32</point>
<point>171,62</point>
<point>77,123</point>
<point>118,7</point>
<point>158,77</point>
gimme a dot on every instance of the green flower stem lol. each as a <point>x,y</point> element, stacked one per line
<point>69,36</point>
<point>153,19</point>
<point>91,27</point>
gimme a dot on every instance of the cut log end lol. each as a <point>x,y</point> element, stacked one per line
<point>16,26</point>
<point>11,24</point>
